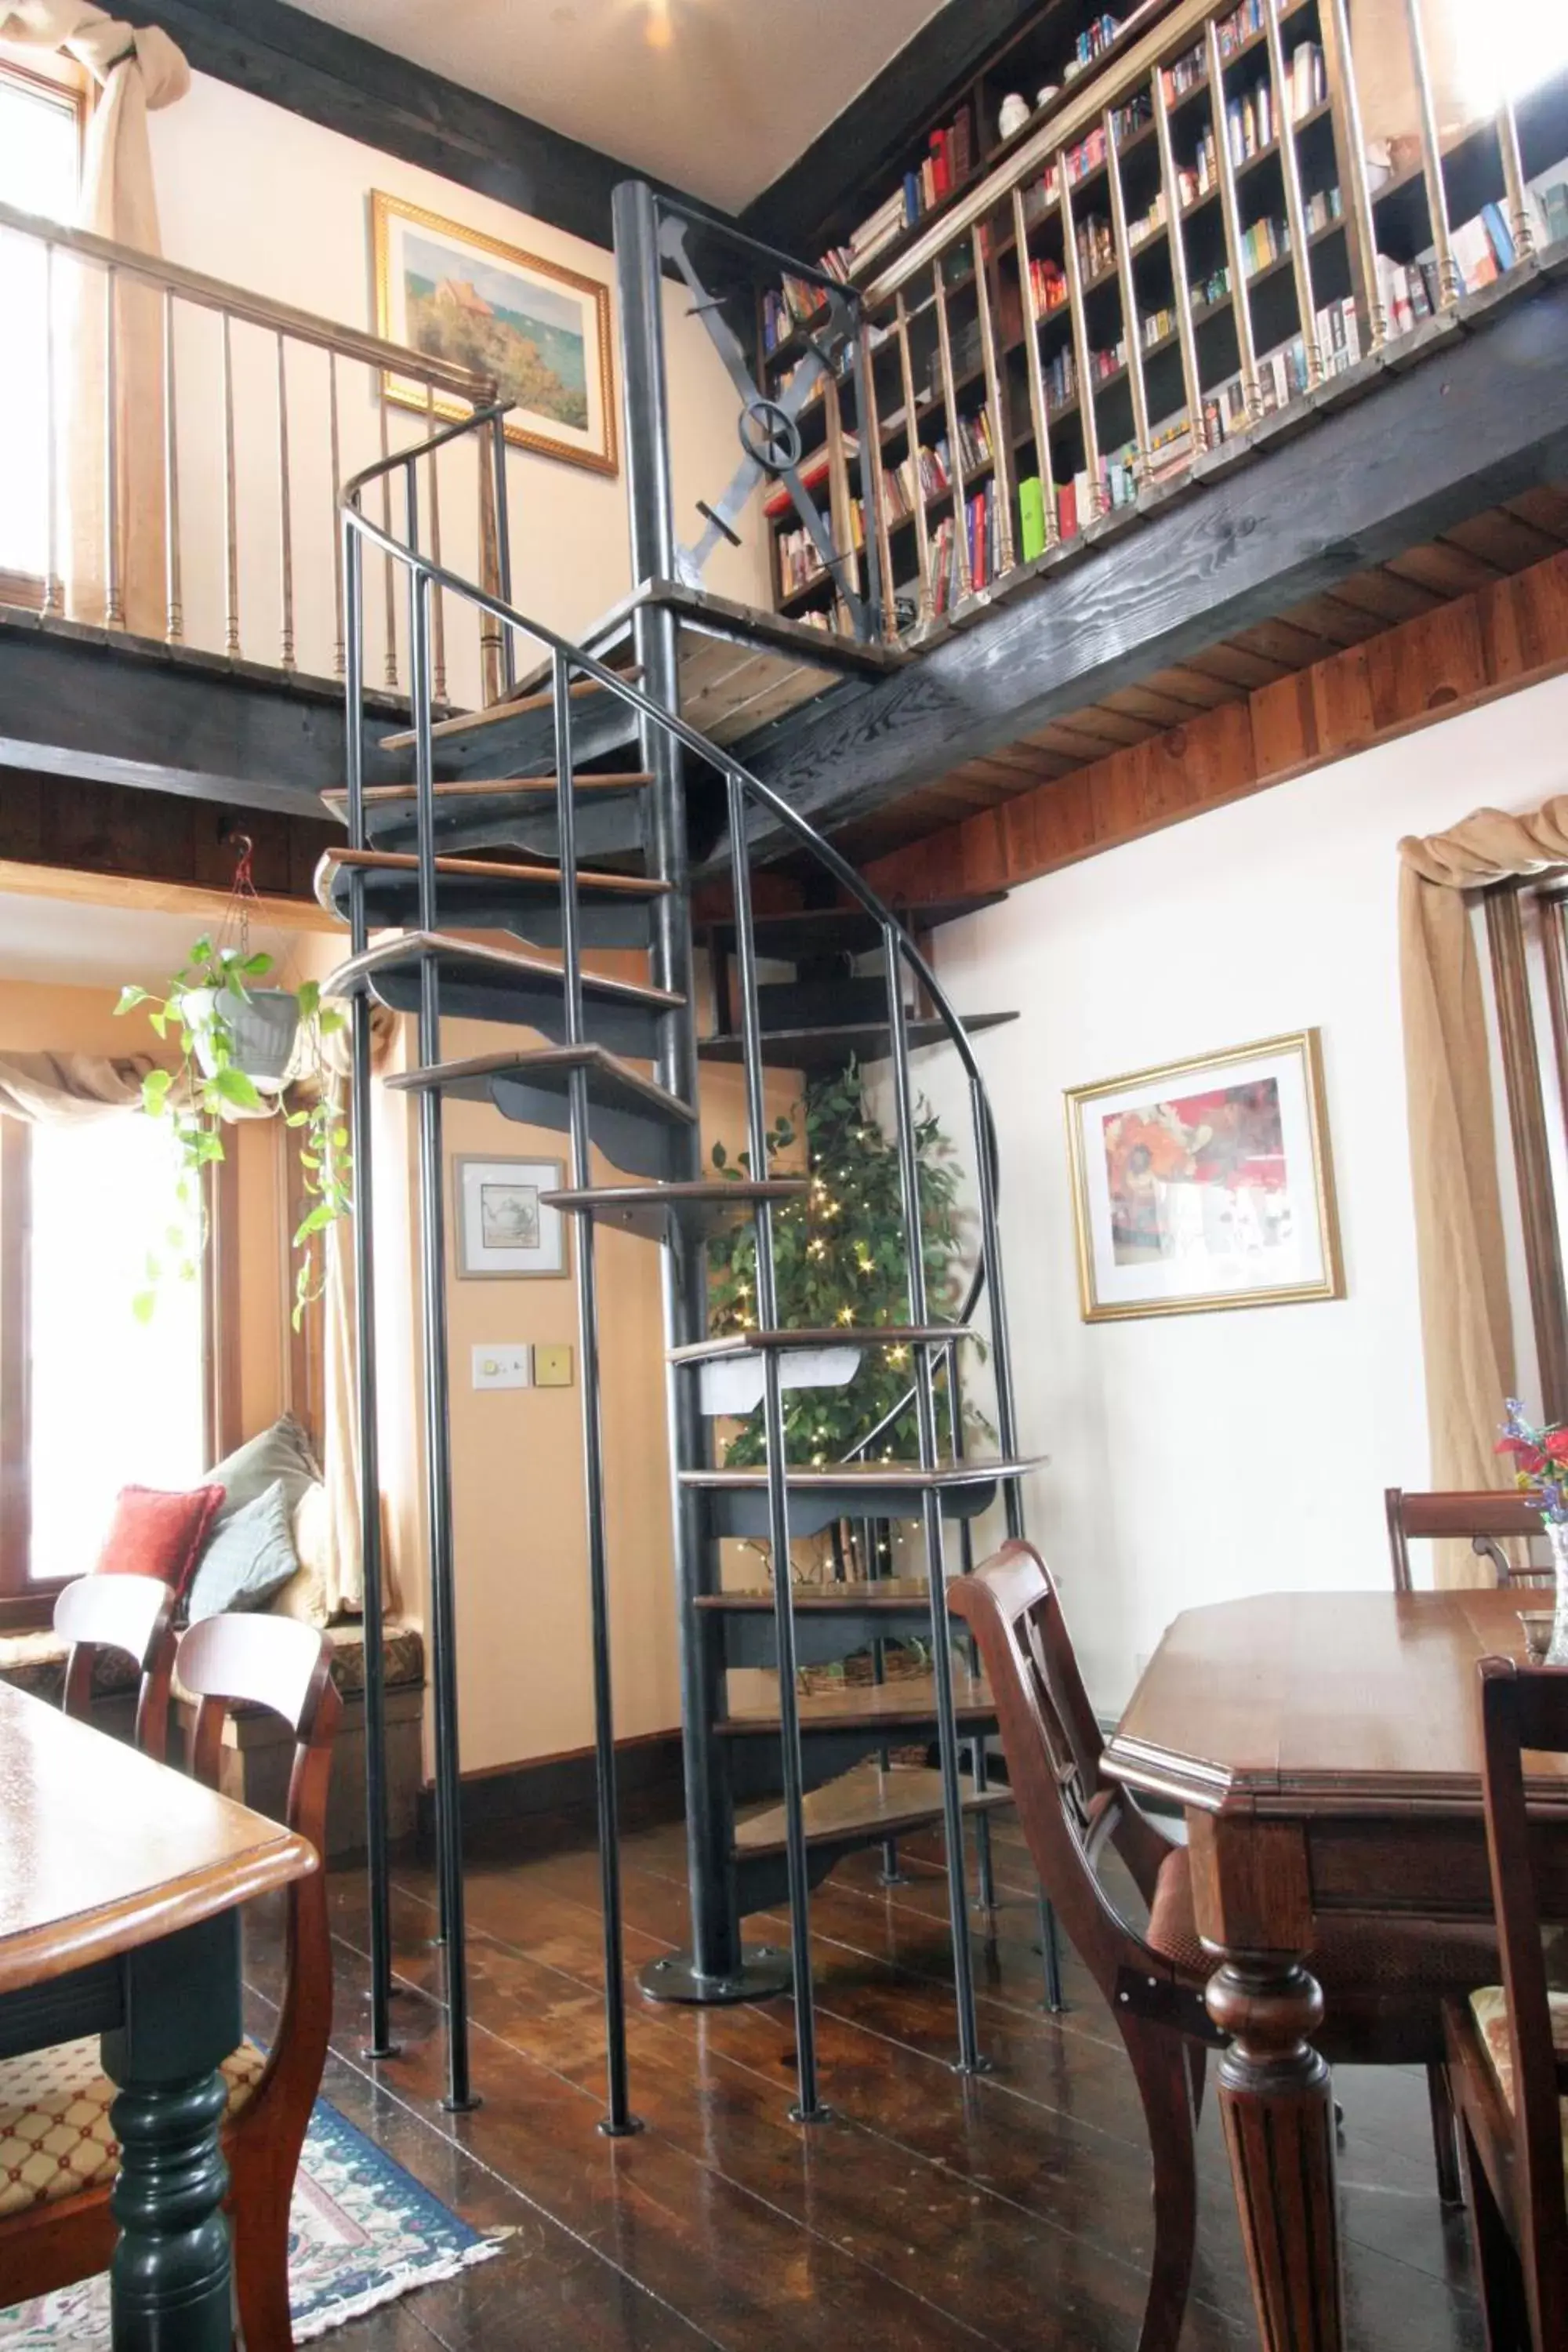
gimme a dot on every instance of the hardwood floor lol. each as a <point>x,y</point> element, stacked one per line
<point>933,2213</point>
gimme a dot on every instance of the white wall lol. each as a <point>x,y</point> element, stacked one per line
<point>267,201</point>
<point>1198,1457</point>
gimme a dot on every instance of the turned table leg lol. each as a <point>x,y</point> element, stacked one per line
<point>170,2277</point>
<point>1276,2097</point>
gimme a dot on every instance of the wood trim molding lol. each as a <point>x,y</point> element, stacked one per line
<point>551,1798</point>
<point>1511,634</point>
<point>15,1226</point>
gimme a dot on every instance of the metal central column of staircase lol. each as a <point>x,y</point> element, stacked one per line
<point>559,815</point>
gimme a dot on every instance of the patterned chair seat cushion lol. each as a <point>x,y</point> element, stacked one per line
<point>55,2137</point>
<point>1488,2007</point>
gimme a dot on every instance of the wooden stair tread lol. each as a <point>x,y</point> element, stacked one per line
<point>597,1060</point>
<point>494,869</point>
<point>410,947</point>
<point>852,1705</point>
<point>867,1040</point>
<point>974,1470</point>
<point>629,780</point>
<point>866,1802</point>
<point>467,721</point>
<point>830,1334</point>
<point>890,1593</point>
<point>648,1209</point>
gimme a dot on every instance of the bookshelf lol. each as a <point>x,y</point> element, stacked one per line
<point>1200,250</point>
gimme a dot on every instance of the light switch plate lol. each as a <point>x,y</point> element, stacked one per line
<point>553,1366</point>
<point>502,1364</point>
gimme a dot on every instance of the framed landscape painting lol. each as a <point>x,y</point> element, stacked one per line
<point>542,330</point>
<point>1207,1183</point>
<point>505,1227</point>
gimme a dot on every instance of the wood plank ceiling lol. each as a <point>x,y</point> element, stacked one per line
<point>1474,553</point>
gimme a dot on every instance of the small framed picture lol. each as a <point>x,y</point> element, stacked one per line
<point>1207,1183</point>
<point>542,330</point>
<point>505,1226</point>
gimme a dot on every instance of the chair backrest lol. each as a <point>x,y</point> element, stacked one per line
<point>1487,1519</point>
<point>277,1662</point>
<point>1052,1742</point>
<point>1525,1707</point>
<point>135,1614</point>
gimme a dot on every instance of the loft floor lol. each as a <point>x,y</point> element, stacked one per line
<point>932,2216</point>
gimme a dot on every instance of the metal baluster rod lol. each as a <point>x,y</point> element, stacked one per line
<point>284,512</point>
<point>230,504</point>
<point>351,565</point>
<point>873,499</point>
<point>1231,214</point>
<point>985,1870</point>
<point>620,2122</point>
<point>174,615</point>
<point>912,485</point>
<point>503,546</point>
<point>1039,411</point>
<point>389,659</point>
<point>53,599</point>
<point>114,600</point>
<point>1295,210</point>
<point>339,541</point>
<point>437,1401</point>
<point>969,2059</point>
<point>1450,285</point>
<point>440,615</point>
<point>808,2107</point>
<point>955,462</point>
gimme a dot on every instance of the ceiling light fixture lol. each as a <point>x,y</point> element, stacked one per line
<point>660,32</point>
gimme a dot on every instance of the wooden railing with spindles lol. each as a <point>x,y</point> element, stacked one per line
<point>1204,232</point>
<point>258,412</point>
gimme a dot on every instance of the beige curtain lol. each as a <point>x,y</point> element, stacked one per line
<point>136,71</point>
<point>340,1397</point>
<point>1385,73</point>
<point>1466,1326</point>
<point>70,1086</point>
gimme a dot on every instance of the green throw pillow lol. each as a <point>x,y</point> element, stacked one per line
<point>250,1557</point>
<point>281,1452</point>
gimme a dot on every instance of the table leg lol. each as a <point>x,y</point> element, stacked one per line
<point>170,2281</point>
<point>1276,2097</point>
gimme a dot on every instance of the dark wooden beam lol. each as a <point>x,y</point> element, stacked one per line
<point>87,703</point>
<point>350,84</point>
<point>1481,416</point>
<point>867,141</point>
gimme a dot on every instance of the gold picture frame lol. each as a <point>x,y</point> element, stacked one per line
<point>455,292</point>
<point>1207,1183</point>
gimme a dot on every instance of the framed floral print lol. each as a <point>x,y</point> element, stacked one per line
<point>1207,1183</point>
<point>540,330</point>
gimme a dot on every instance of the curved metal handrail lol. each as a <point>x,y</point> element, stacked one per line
<point>714,754</point>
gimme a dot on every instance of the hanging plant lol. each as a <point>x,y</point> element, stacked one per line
<point>239,1045</point>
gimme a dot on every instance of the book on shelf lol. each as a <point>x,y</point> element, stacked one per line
<point>1096,245</point>
<point>813,472</point>
<point>947,163</point>
<point>1031,518</point>
<point>1047,287</point>
<point>1170,446</point>
<point>1547,196</point>
<point>1408,290</point>
<point>1091,45</point>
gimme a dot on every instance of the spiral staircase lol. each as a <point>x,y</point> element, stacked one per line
<point>566,818</point>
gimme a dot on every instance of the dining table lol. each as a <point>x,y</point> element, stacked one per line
<point>1325,1750</point>
<point>122,1883</point>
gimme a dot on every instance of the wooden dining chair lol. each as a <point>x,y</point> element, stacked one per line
<point>1487,1520</point>
<point>1384,1985</point>
<point>1508,2044</point>
<point>135,1614</point>
<point>55,2223</point>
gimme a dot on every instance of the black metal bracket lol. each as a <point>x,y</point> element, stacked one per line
<point>1164,2002</point>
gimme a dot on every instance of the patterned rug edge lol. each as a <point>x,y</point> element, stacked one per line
<point>308,2331</point>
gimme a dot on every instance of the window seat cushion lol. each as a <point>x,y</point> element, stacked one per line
<point>36,1661</point>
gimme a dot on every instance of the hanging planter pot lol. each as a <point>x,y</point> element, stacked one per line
<point>258,1031</point>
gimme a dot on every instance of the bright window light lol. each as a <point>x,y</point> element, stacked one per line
<point>39,169</point>
<point>114,1402</point>
<point>1508,48</point>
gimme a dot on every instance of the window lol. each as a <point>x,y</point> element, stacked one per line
<point>1526,931</point>
<point>90,1400</point>
<point>40,152</point>
<point>1506,48</point>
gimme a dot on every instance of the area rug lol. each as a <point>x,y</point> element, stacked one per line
<point>363,2232</point>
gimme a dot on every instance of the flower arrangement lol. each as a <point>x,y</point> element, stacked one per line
<point>1540,1462</point>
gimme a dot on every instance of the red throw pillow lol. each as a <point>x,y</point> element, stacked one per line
<point>157,1534</point>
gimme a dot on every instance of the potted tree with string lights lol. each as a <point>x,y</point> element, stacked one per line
<point>239,1045</point>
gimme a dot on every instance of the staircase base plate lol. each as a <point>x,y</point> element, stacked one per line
<point>762,1974</point>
